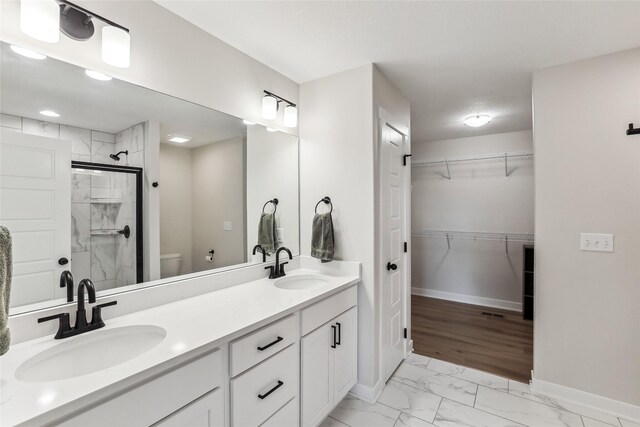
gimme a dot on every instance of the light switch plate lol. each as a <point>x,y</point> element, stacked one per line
<point>280,235</point>
<point>596,242</point>
<point>226,226</point>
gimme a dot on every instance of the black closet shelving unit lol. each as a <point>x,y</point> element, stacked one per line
<point>527,282</point>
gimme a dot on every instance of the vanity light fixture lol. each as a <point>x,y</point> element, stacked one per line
<point>49,113</point>
<point>178,139</point>
<point>40,19</point>
<point>477,120</point>
<point>27,53</point>
<point>98,76</point>
<point>45,19</point>
<point>270,104</point>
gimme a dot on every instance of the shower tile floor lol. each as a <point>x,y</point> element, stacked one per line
<point>429,392</point>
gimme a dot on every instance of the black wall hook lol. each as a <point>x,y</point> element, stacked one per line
<point>632,131</point>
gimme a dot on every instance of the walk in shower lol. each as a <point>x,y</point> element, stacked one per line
<point>106,224</point>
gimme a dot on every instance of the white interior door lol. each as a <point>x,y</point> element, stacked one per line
<point>393,265</point>
<point>35,205</point>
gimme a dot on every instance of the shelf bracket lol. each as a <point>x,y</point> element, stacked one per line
<point>506,245</point>
<point>446,162</point>
<point>506,173</point>
<point>448,242</point>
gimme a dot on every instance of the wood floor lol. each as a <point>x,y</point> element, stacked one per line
<point>462,334</point>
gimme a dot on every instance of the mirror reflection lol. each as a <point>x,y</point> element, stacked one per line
<point>124,185</point>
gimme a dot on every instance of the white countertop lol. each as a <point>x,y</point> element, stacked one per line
<point>193,326</point>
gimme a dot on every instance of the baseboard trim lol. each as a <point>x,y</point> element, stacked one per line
<point>468,299</point>
<point>600,403</point>
<point>366,393</point>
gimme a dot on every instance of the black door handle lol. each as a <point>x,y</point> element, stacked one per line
<point>262,396</point>
<point>63,261</point>
<point>391,266</point>
<point>270,344</point>
<point>339,333</point>
<point>334,336</point>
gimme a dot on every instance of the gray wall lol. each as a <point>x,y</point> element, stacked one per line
<point>477,198</point>
<point>587,179</point>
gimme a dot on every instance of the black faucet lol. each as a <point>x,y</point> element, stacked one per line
<point>264,253</point>
<point>277,270</point>
<point>64,328</point>
<point>66,280</point>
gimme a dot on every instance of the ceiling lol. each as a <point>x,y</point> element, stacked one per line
<point>29,86</point>
<point>451,59</point>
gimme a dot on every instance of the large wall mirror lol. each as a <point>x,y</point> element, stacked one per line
<point>124,185</point>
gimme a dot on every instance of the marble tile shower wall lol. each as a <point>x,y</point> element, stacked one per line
<point>98,202</point>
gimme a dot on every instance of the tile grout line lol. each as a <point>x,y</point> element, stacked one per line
<point>437,410</point>
<point>337,420</point>
<point>485,412</point>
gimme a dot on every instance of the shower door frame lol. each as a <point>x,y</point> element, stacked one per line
<point>138,174</point>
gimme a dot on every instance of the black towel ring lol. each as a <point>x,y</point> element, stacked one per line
<point>327,201</point>
<point>275,205</point>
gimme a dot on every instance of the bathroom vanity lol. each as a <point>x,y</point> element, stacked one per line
<point>264,353</point>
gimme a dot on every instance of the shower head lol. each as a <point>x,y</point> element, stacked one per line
<point>116,156</point>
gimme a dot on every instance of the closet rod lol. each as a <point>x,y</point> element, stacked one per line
<point>460,159</point>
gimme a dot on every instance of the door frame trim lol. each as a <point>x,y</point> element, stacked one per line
<point>386,119</point>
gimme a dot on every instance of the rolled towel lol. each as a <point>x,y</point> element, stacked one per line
<point>5,288</point>
<point>267,237</point>
<point>322,241</point>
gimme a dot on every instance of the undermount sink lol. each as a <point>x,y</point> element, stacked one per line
<point>300,282</point>
<point>89,353</point>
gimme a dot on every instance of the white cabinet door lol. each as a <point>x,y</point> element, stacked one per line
<point>345,355</point>
<point>207,411</point>
<point>35,205</point>
<point>316,375</point>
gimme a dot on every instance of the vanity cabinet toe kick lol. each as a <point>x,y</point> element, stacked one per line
<point>292,372</point>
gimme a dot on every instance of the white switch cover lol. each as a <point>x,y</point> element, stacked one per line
<point>596,242</point>
<point>226,226</point>
<point>280,235</point>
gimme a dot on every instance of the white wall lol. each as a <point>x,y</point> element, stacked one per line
<point>587,179</point>
<point>272,171</point>
<point>338,157</point>
<point>217,182</point>
<point>170,55</point>
<point>477,198</point>
<point>175,203</point>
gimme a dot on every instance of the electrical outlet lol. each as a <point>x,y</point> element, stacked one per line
<point>596,242</point>
<point>226,226</point>
<point>280,235</point>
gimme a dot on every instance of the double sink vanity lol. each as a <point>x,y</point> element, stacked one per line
<point>268,352</point>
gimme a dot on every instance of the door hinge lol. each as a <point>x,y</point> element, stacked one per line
<point>405,333</point>
<point>405,246</point>
<point>404,159</point>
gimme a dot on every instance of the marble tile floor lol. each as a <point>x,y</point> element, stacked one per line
<point>427,392</point>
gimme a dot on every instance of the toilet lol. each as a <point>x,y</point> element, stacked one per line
<point>170,265</point>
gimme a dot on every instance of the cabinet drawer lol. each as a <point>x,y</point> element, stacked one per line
<point>261,391</point>
<point>325,310</point>
<point>287,416</point>
<point>251,349</point>
<point>153,400</point>
<point>207,411</point>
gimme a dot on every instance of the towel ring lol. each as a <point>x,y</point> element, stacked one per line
<point>327,201</point>
<point>275,205</point>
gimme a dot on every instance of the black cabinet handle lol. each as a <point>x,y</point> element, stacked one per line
<point>334,336</point>
<point>262,396</point>
<point>270,344</point>
<point>63,261</point>
<point>391,266</point>
<point>339,333</point>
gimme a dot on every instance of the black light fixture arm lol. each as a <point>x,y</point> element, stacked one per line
<point>279,98</point>
<point>92,15</point>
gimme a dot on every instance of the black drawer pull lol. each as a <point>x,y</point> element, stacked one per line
<point>339,333</point>
<point>334,336</point>
<point>270,344</point>
<point>262,396</point>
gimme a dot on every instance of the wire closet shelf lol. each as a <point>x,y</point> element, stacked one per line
<point>476,235</point>
<point>514,155</point>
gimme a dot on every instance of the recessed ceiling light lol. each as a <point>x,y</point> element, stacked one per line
<point>271,130</point>
<point>49,113</point>
<point>28,53</point>
<point>477,120</point>
<point>178,139</point>
<point>98,76</point>
<point>248,122</point>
